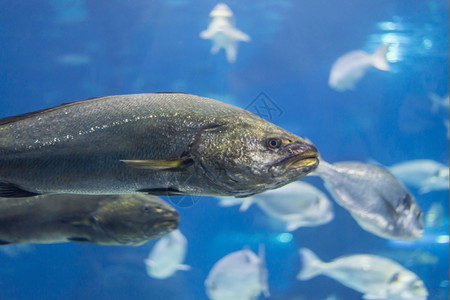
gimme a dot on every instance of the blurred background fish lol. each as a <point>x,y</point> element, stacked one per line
<point>222,32</point>
<point>240,275</point>
<point>100,219</point>
<point>424,174</point>
<point>375,199</point>
<point>167,256</point>
<point>374,276</point>
<point>298,204</point>
<point>351,67</point>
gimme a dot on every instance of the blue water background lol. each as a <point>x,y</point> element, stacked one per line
<point>57,51</point>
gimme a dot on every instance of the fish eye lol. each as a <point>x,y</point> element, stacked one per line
<point>273,143</point>
<point>147,209</point>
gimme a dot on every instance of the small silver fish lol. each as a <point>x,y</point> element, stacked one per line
<point>222,32</point>
<point>298,204</point>
<point>374,276</point>
<point>100,219</point>
<point>240,275</point>
<point>375,199</point>
<point>351,67</point>
<point>167,256</point>
<point>425,174</point>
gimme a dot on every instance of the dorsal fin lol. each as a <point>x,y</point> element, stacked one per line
<point>24,116</point>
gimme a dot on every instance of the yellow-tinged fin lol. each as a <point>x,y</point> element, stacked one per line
<point>158,164</point>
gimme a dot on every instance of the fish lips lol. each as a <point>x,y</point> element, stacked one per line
<point>302,160</point>
<point>165,224</point>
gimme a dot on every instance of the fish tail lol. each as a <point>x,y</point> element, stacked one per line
<point>312,265</point>
<point>379,60</point>
<point>434,102</point>
<point>263,275</point>
<point>230,201</point>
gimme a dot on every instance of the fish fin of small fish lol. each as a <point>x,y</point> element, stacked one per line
<point>229,201</point>
<point>263,275</point>
<point>165,191</point>
<point>312,265</point>
<point>78,239</point>
<point>173,164</point>
<point>374,297</point>
<point>291,226</point>
<point>246,204</point>
<point>379,60</point>
<point>148,262</point>
<point>10,190</point>
<point>183,267</point>
<point>3,243</point>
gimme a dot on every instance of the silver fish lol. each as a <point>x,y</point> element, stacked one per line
<point>351,67</point>
<point>375,198</point>
<point>163,144</point>
<point>298,204</point>
<point>425,174</point>
<point>100,219</point>
<point>222,32</point>
<point>375,276</point>
<point>240,275</point>
<point>167,256</point>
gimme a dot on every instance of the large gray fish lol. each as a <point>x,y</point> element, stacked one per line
<point>100,219</point>
<point>375,198</point>
<point>163,144</point>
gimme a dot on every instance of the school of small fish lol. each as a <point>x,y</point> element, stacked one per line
<point>120,150</point>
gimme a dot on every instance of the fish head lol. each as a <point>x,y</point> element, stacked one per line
<point>249,155</point>
<point>134,219</point>
<point>409,223</point>
<point>406,285</point>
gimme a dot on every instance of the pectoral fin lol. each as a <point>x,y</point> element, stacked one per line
<point>78,222</point>
<point>175,164</point>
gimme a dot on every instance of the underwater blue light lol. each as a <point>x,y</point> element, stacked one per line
<point>284,237</point>
<point>442,239</point>
<point>387,26</point>
<point>427,43</point>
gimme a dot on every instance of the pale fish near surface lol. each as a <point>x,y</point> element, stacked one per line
<point>240,275</point>
<point>298,204</point>
<point>162,144</point>
<point>374,276</point>
<point>222,32</point>
<point>376,199</point>
<point>167,256</point>
<point>425,174</point>
<point>351,67</point>
<point>99,219</point>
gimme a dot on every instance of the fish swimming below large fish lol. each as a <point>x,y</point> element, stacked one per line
<point>375,276</point>
<point>167,256</point>
<point>298,204</point>
<point>99,219</point>
<point>240,275</point>
<point>161,143</point>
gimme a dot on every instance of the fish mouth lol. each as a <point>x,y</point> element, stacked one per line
<point>168,222</point>
<point>300,164</point>
<point>304,160</point>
